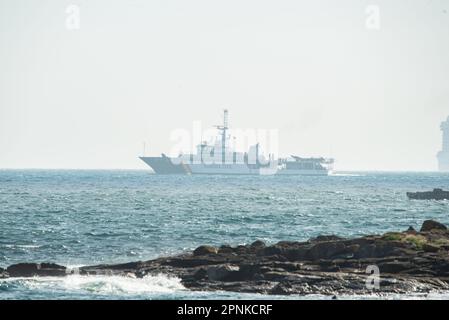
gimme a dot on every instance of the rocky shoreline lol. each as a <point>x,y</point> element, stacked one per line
<point>409,262</point>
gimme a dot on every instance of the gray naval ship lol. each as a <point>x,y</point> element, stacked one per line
<point>220,158</point>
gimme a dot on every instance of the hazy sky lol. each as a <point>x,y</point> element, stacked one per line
<point>136,70</point>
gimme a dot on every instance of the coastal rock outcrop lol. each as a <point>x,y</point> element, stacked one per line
<point>222,272</point>
<point>435,194</point>
<point>204,250</point>
<point>430,225</point>
<point>408,261</point>
<point>35,269</point>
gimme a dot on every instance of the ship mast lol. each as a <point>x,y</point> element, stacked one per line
<point>223,130</point>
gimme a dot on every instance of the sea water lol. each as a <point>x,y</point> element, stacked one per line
<point>76,218</point>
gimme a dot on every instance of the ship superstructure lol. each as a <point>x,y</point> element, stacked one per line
<point>443,155</point>
<point>304,166</point>
<point>222,159</point>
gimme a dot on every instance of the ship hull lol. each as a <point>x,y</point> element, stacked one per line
<point>298,172</point>
<point>223,169</point>
<point>164,165</point>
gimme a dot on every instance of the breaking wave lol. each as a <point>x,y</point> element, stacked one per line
<point>155,287</point>
<point>103,285</point>
<point>119,284</point>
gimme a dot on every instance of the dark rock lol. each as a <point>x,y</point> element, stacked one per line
<point>441,267</point>
<point>35,269</point>
<point>204,250</point>
<point>191,262</point>
<point>222,273</point>
<point>394,266</point>
<point>241,249</point>
<point>225,249</point>
<point>327,250</point>
<point>436,194</point>
<point>411,230</point>
<point>380,248</point>
<point>288,249</point>
<point>287,266</point>
<point>276,275</point>
<point>296,254</point>
<point>366,251</point>
<point>430,248</point>
<point>386,248</point>
<point>130,266</point>
<point>430,225</point>
<point>312,267</point>
<point>332,268</point>
<point>326,238</point>
<point>283,288</point>
<point>200,274</point>
<point>271,250</point>
<point>352,249</point>
<point>258,244</point>
<point>249,271</point>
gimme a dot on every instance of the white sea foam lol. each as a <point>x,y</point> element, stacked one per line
<point>102,284</point>
<point>346,175</point>
<point>20,246</point>
<point>158,286</point>
<point>118,284</point>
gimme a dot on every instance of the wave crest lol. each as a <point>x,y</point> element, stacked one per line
<point>102,284</point>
